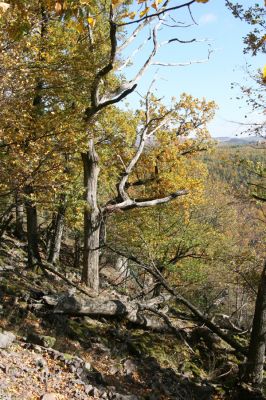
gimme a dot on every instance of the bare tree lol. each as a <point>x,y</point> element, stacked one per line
<point>101,99</point>
<point>94,214</point>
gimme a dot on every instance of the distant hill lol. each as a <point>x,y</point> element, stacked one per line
<point>237,141</point>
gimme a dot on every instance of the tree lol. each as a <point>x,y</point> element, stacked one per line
<point>90,158</point>
<point>255,42</point>
<point>256,353</point>
<point>254,16</point>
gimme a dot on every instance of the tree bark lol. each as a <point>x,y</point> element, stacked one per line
<point>55,246</point>
<point>77,251</point>
<point>5,219</point>
<point>49,233</point>
<point>19,229</point>
<point>32,229</point>
<point>92,219</point>
<point>256,352</point>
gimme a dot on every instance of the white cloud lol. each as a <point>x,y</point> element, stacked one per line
<point>207,19</point>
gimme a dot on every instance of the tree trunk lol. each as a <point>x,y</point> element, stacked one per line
<point>57,234</point>
<point>19,231</point>
<point>77,251</point>
<point>256,352</point>
<point>49,233</point>
<point>103,232</point>
<point>32,229</point>
<point>5,220</point>
<point>92,220</point>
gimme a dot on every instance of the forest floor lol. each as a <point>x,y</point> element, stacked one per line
<point>59,357</point>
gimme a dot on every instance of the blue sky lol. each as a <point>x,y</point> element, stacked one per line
<point>212,79</point>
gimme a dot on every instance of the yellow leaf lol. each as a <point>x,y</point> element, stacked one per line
<point>264,74</point>
<point>130,15</point>
<point>91,21</point>
<point>202,1</point>
<point>144,12</point>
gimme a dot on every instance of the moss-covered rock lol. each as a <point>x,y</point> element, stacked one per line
<point>42,340</point>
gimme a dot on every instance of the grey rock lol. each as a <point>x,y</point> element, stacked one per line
<point>77,362</point>
<point>78,382</point>
<point>89,389</point>
<point>96,392</point>
<point>49,396</point>
<point>118,396</point>
<point>100,348</point>
<point>79,371</point>
<point>87,366</point>
<point>37,349</point>
<point>41,362</point>
<point>72,368</point>
<point>6,339</point>
<point>113,370</point>
<point>130,367</point>
<point>51,300</point>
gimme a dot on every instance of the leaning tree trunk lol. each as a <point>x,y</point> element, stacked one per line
<point>92,219</point>
<point>32,229</point>
<point>55,245</point>
<point>256,353</point>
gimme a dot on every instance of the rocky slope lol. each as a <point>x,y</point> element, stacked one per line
<point>57,356</point>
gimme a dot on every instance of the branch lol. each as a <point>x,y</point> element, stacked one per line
<point>145,134</point>
<point>183,41</point>
<point>129,204</point>
<point>132,36</point>
<point>184,64</point>
<point>104,71</point>
<point>130,58</point>
<point>180,299</point>
<point>163,11</point>
<point>168,323</point>
<point>125,89</point>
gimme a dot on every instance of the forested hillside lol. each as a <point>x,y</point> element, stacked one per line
<point>132,243</point>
